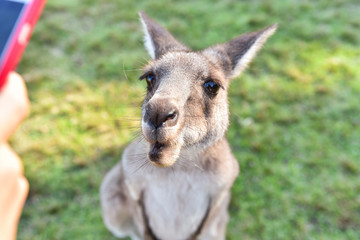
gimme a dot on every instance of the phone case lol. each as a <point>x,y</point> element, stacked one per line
<point>21,38</point>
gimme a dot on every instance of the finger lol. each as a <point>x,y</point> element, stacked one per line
<point>11,171</point>
<point>10,218</point>
<point>14,105</point>
<point>20,198</point>
<point>10,161</point>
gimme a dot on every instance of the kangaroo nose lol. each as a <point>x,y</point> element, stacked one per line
<point>161,113</point>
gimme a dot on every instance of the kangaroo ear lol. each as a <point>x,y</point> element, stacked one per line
<point>158,40</point>
<point>236,54</point>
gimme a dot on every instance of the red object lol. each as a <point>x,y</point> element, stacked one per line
<point>20,38</point>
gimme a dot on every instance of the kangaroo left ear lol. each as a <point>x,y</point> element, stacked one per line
<point>236,54</point>
<point>158,40</point>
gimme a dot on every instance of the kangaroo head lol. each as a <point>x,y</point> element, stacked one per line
<point>186,103</point>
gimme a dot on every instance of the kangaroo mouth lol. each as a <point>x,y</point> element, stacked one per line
<point>156,151</point>
<point>163,154</point>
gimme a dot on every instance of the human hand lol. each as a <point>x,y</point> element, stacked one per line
<point>14,107</point>
<point>13,191</point>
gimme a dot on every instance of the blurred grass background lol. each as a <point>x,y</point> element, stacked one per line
<point>295,112</point>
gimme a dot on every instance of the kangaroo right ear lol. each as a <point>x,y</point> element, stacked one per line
<point>158,40</point>
<point>236,54</point>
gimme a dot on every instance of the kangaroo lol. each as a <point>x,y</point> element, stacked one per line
<point>173,183</point>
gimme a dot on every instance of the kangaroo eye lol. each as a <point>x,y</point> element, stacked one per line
<point>150,80</point>
<point>211,87</point>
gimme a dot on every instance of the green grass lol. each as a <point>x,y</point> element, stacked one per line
<point>295,113</point>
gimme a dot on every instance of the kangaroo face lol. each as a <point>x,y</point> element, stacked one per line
<point>185,105</point>
<point>186,101</point>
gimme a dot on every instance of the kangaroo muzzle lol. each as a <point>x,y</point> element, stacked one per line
<point>161,127</point>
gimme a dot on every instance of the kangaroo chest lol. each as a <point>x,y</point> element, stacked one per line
<point>176,205</point>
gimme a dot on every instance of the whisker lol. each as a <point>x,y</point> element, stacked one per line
<point>142,61</point>
<point>125,72</point>
<point>137,136</point>
<point>133,70</point>
<point>189,116</point>
<point>137,155</point>
<point>141,166</point>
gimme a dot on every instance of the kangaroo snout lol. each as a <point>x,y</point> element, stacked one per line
<point>161,126</point>
<point>161,113</point>
<point>161,120</point>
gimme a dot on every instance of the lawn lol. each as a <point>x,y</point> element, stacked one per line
<point>295,112</point>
